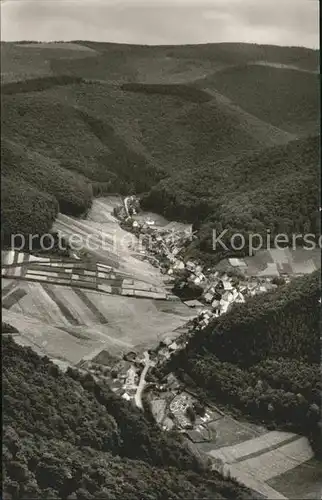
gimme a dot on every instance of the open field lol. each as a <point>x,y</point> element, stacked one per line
<point>303,482</point>
<point>102,230</point>
<point>75,273</point>
<point>277,463</point>
<point>68,323</point>
<point>72,309</point>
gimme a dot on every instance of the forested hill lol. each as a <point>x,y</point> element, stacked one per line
<point>275,188</point>
<point>262,358</point>
<point>82,119</point>
<point>66,437</point>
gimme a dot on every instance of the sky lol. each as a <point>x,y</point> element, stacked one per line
<point>278,22</point>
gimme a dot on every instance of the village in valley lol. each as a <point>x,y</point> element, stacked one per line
<point>220,288</point>
<point>120,316</point>
<point>193,291</point>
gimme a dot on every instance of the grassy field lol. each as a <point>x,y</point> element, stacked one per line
<point>303,482</point>
<point>70,322</point>
<point>67,324</point>
<point>112,242</point>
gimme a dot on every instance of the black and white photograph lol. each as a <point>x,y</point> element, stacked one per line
<point>161,250</point>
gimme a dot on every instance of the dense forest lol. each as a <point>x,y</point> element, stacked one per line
<point>65,436</point>
<point>25,210</point>
<point>263,358</point>
<point>113,118</point>
<point>290,99</point>
<point>71,190</point>
<point>275,189</point>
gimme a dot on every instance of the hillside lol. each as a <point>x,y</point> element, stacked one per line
<point>122,118</point>
<point>67,437</point>
<point>286,98</point>
<point>275,189</point>
<point>262,358</point>
<point>24,209</point>
<point>223,136</point>
<point>122,62</point>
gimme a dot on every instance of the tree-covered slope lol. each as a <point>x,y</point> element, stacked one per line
<point>72,191</point>
<point>25,210</point>
<point>67,437</point>
<point>275,189</point>
<point>122,118</point>
<point>263,358</point>
<point>283,97</point>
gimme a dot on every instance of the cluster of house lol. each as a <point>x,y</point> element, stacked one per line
<point>164,243</point>
<point>122,376</point>
<point>218,290</point>
<point>167,347</point>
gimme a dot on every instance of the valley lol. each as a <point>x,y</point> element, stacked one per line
<point>105,311</point>
<point>140,361</point>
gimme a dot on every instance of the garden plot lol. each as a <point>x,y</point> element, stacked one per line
<point>276,262</point>
<point>274,459</point>
<point>253,447</point>
<point>227,431</point>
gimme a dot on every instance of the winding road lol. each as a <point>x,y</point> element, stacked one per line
<point>138,394</point>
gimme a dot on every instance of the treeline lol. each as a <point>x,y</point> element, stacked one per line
<point>185,92</point>
<point>263,358</point>
<point>65,436</point>
<point>39,84</point>
<point>7,328</point>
